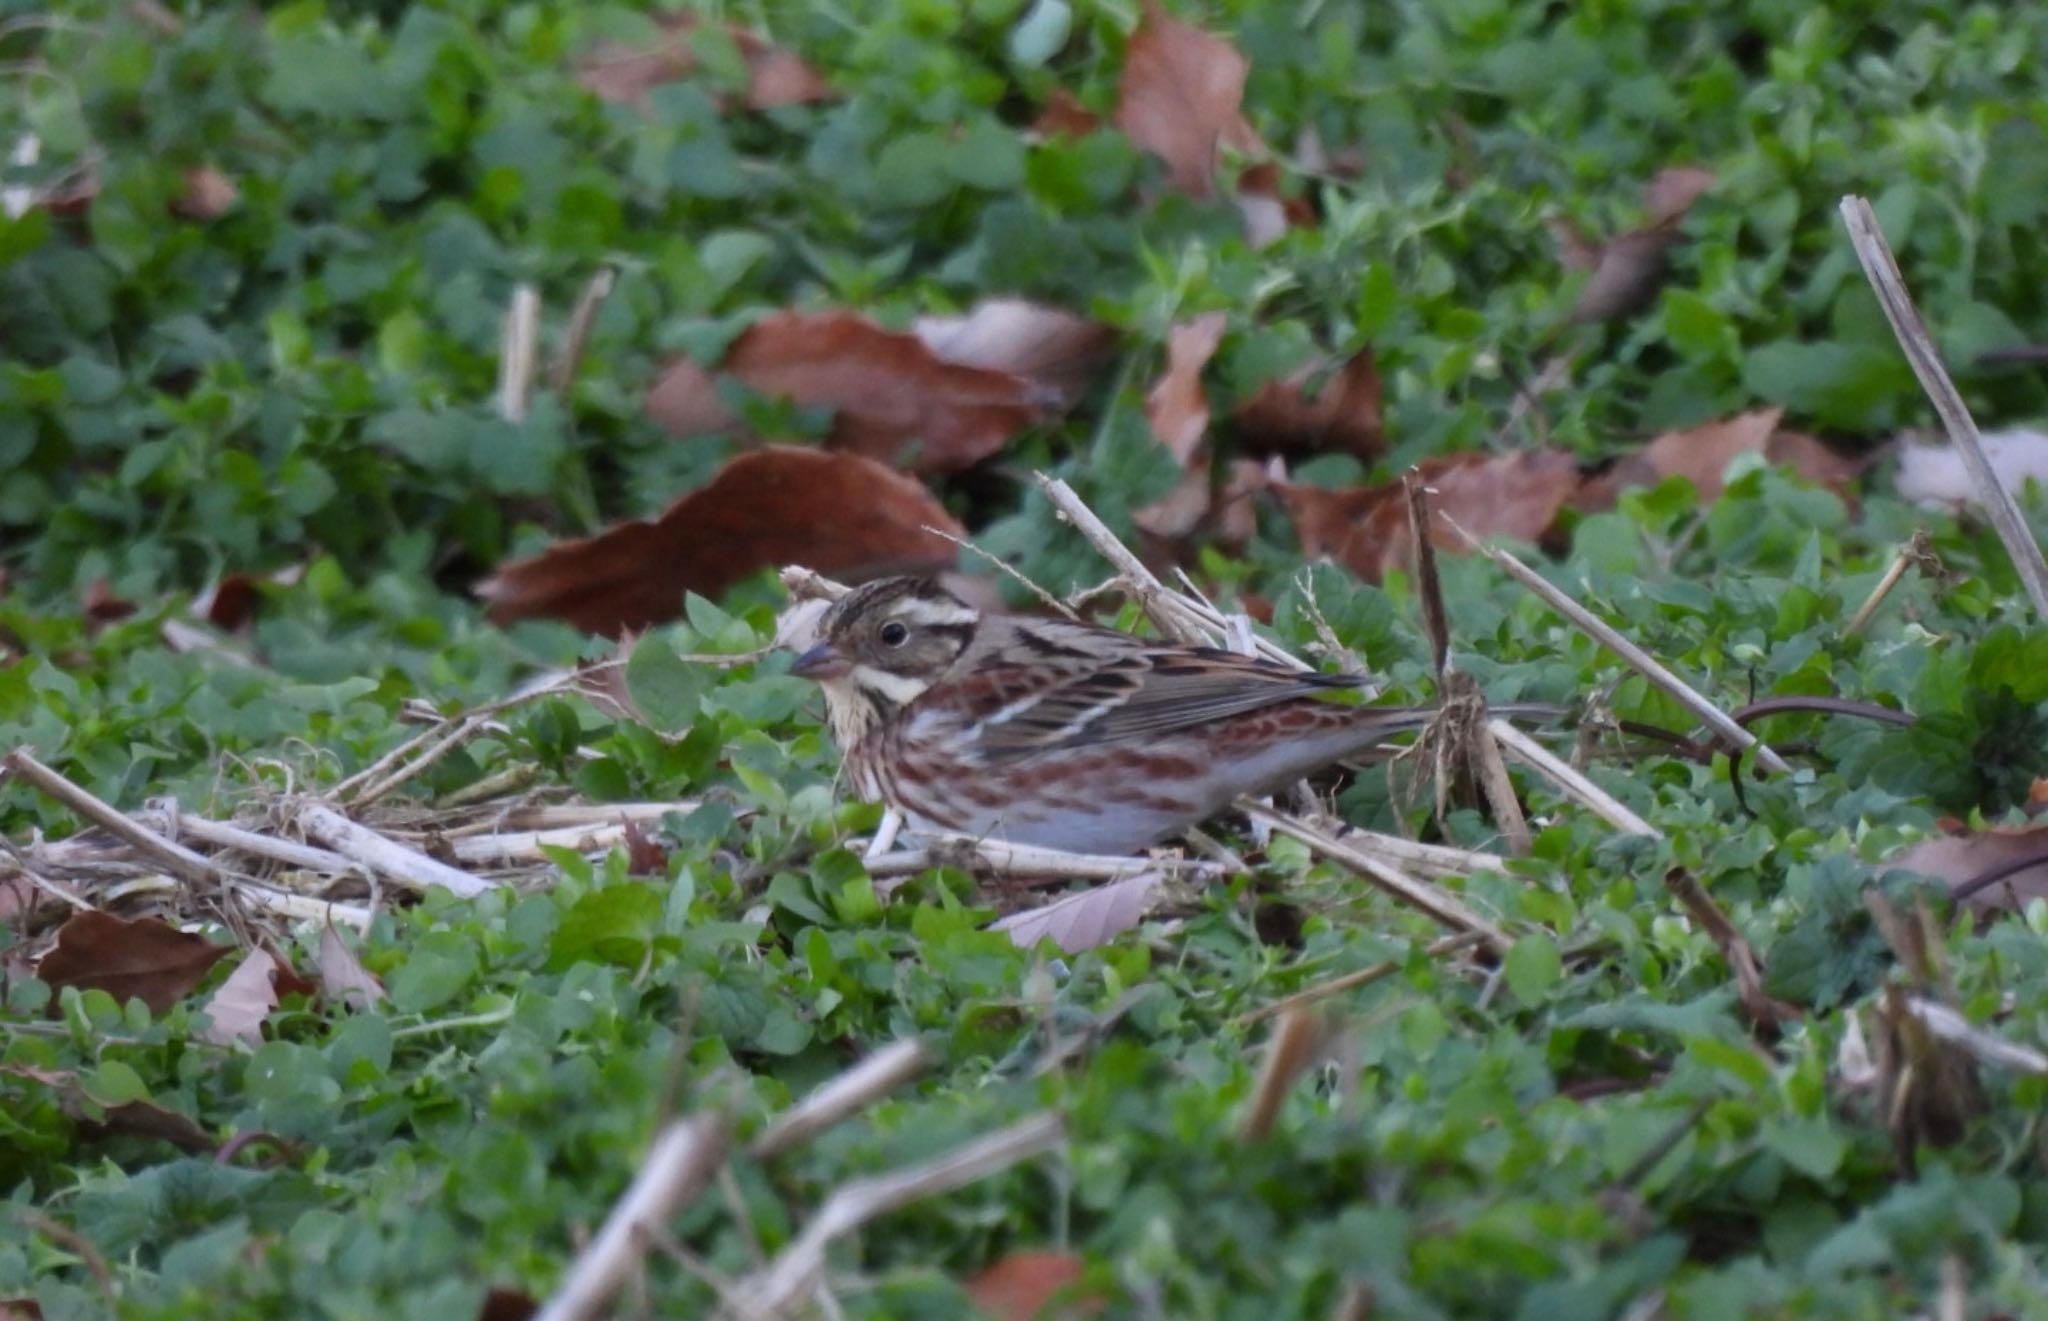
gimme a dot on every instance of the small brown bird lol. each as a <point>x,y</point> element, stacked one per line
<point>1060,734</point>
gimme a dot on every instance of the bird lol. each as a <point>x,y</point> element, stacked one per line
<point>1060,734</point>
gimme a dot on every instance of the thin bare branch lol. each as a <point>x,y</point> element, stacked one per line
<point>843,1096</point>
<point>1572,783</point>
<point>519,349</point>
<point>790,1278</point>
<point>182,861</point>
<point>1606,634</point>
<point>1917,550</point>
<point>682,1161</point>
<point>1323,990</point>
<point>388,858</point>
<point>577,334</point>
<point>1882,270</point>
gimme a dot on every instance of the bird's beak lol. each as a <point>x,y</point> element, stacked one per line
<point>821,662</point>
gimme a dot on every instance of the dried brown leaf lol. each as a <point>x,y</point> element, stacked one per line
<point>343,978</point>
<point>1177,407</point>
<point>146,959</point>
<point>1063,115</point>
<point>1021,1286</point>
<point>1317,410</point>
<point>1050,345</point>
<point>140,1118</point>
<point>775,77</point>
<point>207,194</point>
<point>1967,860</point>
<point>1181,98</point>
<point>1702,454</point>
<point>840,514</point>
<point>243,1002</point>
<point>1365,529</point>
<point>892,397</point>
<point>1629,269</point>
<point>1085,919</point>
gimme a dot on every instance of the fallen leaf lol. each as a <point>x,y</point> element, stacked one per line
<point>1516,495</point>
<point>20,1309</point>
<point>1181,98</point>
<point>775,77</point>
<point>146,959</point>
<point>141,1118</point>
<point>644,854</point>
<point>1267,210</point>
<point>101,606</point>
<point>207,194</point>
<point>502,1304</point>
<point>1050,345</point>
<point>1063,115</point>
<point>343,978</point>
<point>1932,474</point>
<point>892,397</point>
<point>1176,406</point>
<point>1968,863</point>
<point>1702,454</point>
<point>1020,1285</point>
<point>240,1005</point>
<point>1317,410</point>
<point>840,514</point>
<point>1178,409</point>
<point>1629,269</point>
<point>227,604</point>
<point>1085,919</point>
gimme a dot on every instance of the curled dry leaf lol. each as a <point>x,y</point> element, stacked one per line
<point>343,978</point>
<point>1702,455</point>
<point>147,959</point>
<point>840,514</point>
<point>1063,115</point>
<point>1629,269</point>
<point>1176,406</point>
<point>240,1005</point>
<point>1050,345</point>
<point>207,194</point>
<point>1181,98</point>
<point>138,1118</point>
<point>1178,409</point>
<point>1022,1285</point>
<point>101,606</point>
<point>775,77</point>
<point>1970,863</point>
<point>893,397</point>
<point>1316,410</point>
<point>1085,919</point>
<point>1517,495</point>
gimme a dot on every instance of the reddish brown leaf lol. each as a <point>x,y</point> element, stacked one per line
<point>891,395</point>
<point>1629,269</point>
<point>775,77</point>
<point>644,854</point>
<point>207,194</point>
<point>1968,861</point>
<point>1365,529</point>
<point>142,1118</point>
<point>1702,454</point>
<point>228,604</point>
<point>101,606</point>
<point>1177,407</point>
<point>502,1304</point>
<point>1063,115</point>
<point>1085,919</point>
<point>1315,411</point>
<point>840,514</point>
<point>1180,98</point>
<point>1673,190</point>
<point>343,978</point>
<point>147,959</point>
<point>20,1309</point>
<point>239,1006</point>
<point>1050,345</point>
<point>1020,1286</point>
<point>1267,210</point>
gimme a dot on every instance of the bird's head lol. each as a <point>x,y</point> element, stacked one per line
<point>881,646</point>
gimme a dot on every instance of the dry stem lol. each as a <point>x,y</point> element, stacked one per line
<point>1882,269</point>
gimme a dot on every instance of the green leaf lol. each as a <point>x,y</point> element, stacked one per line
<point>614,925</point>
<point>665,690</point>
<point>1533,966</point>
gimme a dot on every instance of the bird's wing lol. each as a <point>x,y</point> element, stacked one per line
<point>1142,693</point>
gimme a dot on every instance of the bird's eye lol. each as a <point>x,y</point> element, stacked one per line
<point>894,633</point>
